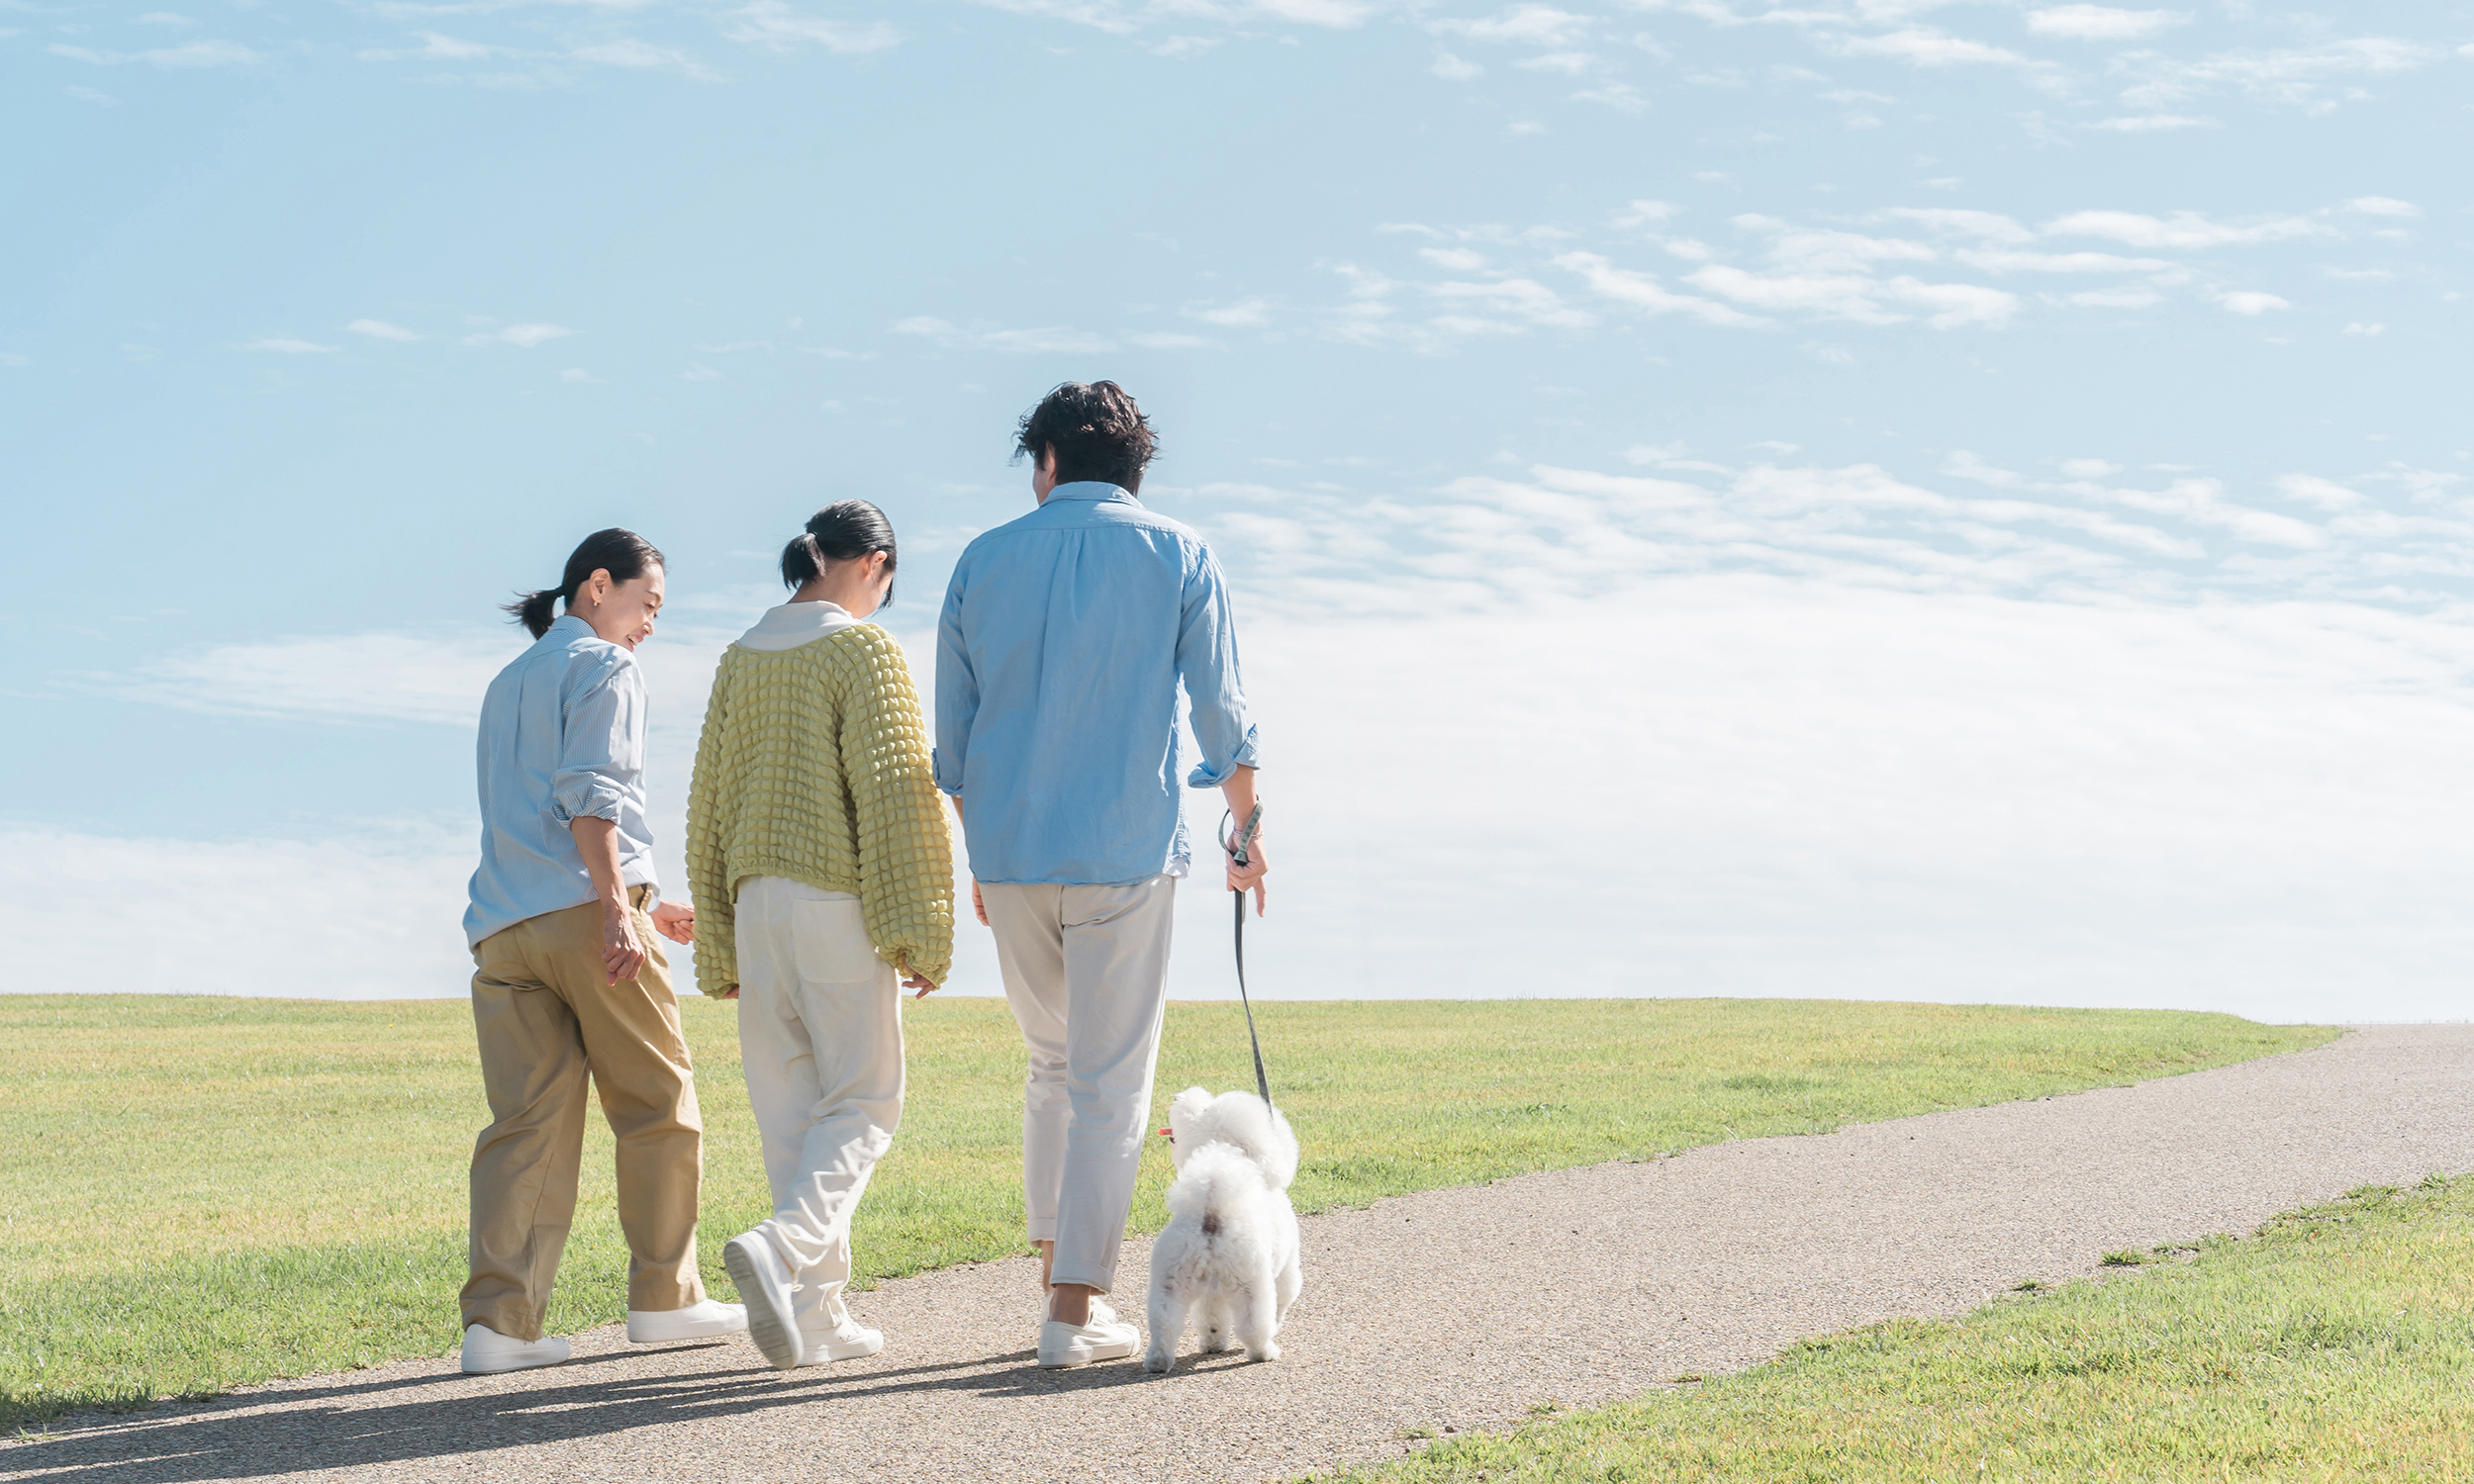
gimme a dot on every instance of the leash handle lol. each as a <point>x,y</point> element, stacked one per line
<point>1236,847</point>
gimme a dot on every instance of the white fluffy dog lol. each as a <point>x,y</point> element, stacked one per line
<point>1230,1247</point>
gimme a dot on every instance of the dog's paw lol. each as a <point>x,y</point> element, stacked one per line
<point>1215,1341</point>
<point>1270,1352</point>
<point>1158,1362</point>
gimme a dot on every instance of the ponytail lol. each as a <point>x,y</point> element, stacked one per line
<point>842,531</point>
<point>621,553</point>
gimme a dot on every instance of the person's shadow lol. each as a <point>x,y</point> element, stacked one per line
<point>170,1443</point>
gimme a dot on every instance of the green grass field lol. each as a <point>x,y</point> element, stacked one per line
<point>200,1193</point>
<point>2337,1344</point>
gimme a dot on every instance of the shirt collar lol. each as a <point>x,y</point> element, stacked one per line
<point>1090,489</point>
<point>569,627</point>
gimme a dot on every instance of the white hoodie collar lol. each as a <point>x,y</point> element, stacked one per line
<point>795,623</point>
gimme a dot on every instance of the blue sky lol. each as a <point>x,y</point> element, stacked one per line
<point>1952,500</point>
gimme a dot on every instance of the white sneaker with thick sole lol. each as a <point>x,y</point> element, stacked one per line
<point>848,1342</point>
<point>763,1283</point>
<point>1063,1344</point>
<point>704,1320</point>
<point>486,1353</point>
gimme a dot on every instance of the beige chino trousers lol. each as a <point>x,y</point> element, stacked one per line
<point>546,1023</point>
<point>1086,970</point>
<point>821,1039</point>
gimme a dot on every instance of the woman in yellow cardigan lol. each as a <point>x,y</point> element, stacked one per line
<point>818,849</point>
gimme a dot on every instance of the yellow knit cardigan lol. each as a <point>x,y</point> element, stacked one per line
<point>815,766</point>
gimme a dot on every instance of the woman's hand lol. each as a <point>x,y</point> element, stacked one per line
<point>675,920</point>
<point>623,953</point>
<point>976,905</point>
<point>914,981</point>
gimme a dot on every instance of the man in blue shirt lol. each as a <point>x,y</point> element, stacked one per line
<point>1065,636</point>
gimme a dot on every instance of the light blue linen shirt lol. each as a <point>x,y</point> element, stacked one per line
<point>1064,638</point>
<point>562,737</point>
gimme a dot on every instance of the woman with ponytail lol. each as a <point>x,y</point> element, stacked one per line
<point>818,849</point>
<point>570,984</point>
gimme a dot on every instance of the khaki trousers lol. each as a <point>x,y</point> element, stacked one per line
<point>1086,970</point>
<point>546,1021</point>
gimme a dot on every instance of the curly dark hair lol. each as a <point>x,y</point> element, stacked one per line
<point>1096,429</point>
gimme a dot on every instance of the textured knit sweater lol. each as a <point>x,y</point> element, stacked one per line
<point>815,766</point>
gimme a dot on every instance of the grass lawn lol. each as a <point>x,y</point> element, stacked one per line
<point>199,1193</point>
<point>2337,1344</point>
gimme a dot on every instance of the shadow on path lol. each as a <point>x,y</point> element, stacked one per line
<point>271,1433</point>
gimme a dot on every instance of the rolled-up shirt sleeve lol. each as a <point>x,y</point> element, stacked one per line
<point>601,747</point>
<point>1206,661</point>
<point>957,692</point>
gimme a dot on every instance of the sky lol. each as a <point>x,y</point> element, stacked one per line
<point>1964,502</point>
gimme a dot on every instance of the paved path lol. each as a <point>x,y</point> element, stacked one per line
<point>1451,1310</point>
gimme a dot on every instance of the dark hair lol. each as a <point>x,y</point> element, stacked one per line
<point>1098,432</point>
<point>623,554</point>
<point>842,531</point>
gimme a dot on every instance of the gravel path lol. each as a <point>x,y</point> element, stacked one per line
<point>1447,1311</point>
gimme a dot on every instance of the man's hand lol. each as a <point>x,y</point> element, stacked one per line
<point>914,981</point>
<point>976,905</point>
<point>675,921</point>
<point>1250,876</point>
<point>623,953</point>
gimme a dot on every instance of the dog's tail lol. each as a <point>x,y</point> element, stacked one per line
<point>1215,1177</point>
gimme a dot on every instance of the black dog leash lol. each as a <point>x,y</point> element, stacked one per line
<point>1236,849</point>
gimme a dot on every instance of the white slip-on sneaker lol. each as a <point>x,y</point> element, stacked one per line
<point>1063,1344</point>
<point>704,1320</point>
<point>848,1340</point>
<point>486,1353</point>
<point>763,1283</point>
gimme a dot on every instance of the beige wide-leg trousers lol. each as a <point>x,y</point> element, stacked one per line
<point>548,1021</point>
<point>1086,969</point>
<point>820,1038</point>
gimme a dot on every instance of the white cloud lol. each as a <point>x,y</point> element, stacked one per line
<point>1926,48</point>
<point>525,336</point>
<point>434,48</point>
<point>2151,123</point>
<point>2383,206</point>
<point>2131,299</point>
<point>1999,261</point>
<point>2102,23</point>
<point>1052,339</point>
<point>2296,75</point>
<point>699,371</point>
<point>2309,489</point>
<point>1570,63</point>
<point>579,374</point>
<point>1646,214</point>
<point>2180,229</point>
<point>379,906</point>
<point>1453,70</point>
<point>641,55</point>
<point>1245,313</point>
<point>181,57</point>
<point>1643,291</point>
<point>2250,302</point>
<point>2358,327</point>
<point>380,329</point>
<point>286,345</point>
<point>770,23</point>
<point>171,19</point>
<point>433,676</point>
<point>1622,97</point>
<point>1992,227</point>
<point>1458,259</point>
<point>91,95</point>
<point>1522,25</point>
<point>1166,340</point>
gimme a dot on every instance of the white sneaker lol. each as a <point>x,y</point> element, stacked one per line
<point>847,1340</point>
<point>488,1353</point>
<point>764,1284</point>
<point>1061,1344</point>
<point>704,1320</point>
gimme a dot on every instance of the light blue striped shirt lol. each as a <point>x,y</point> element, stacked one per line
<point>1064,638</point>
<point>562,737</point>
